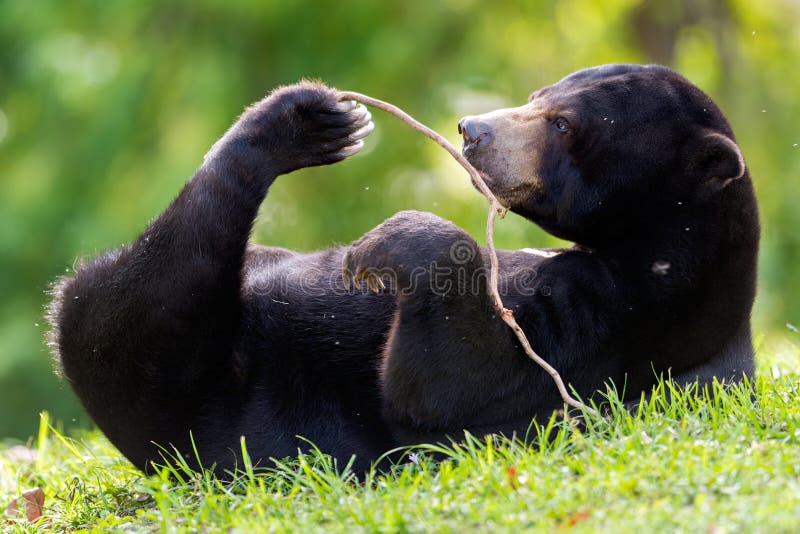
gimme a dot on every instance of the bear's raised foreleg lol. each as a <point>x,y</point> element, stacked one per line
<point>144,334</point>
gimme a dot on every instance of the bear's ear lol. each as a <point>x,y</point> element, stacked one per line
<point>718,158</point>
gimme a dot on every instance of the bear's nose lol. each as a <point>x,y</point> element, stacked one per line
<point>475,133</point>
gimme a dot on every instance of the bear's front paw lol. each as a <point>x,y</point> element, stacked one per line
<point>306,124</point>
<point>409,251</point>
<point>367,260</point>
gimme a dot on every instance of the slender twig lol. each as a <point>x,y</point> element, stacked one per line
<point>495,208</point>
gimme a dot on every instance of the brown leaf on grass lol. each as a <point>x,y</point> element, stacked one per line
<point>512,477</point>
<point>574,519</point>
<point>32,500</point>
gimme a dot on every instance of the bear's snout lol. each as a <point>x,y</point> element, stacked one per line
<point>475,133</point>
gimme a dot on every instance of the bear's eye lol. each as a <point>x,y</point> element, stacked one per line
<point>561,124</point>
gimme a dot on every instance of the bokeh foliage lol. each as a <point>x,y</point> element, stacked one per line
<point>106,108</point>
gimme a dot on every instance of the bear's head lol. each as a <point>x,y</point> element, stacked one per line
<point>604,151</point>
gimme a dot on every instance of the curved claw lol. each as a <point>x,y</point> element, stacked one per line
<point>379,282</point>
<point>364,131</point>
<point>348,151</point>
<point>370,280</point>
<point>344,106</point>
<point>373,281</point>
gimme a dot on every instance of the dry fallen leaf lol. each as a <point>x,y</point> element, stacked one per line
<point>512,477</point>
<point>574,519</point>
<point>32,500</point>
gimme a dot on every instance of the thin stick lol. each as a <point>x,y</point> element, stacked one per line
<point>495,208</point>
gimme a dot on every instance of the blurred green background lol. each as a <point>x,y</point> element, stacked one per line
<point>106,108</point>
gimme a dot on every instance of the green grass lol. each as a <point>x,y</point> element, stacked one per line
<point>726,463</point>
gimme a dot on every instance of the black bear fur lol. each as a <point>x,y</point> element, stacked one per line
<point>191,329</point>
